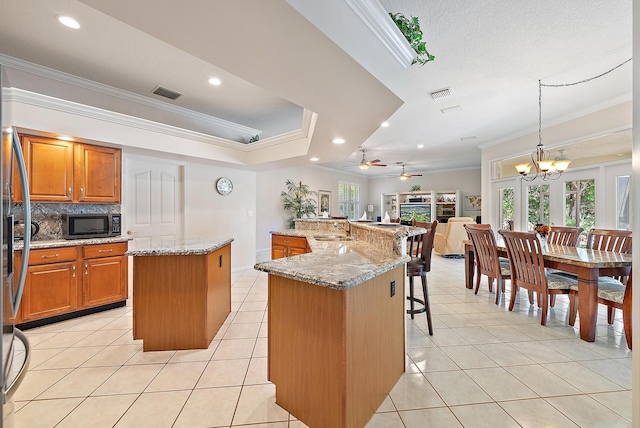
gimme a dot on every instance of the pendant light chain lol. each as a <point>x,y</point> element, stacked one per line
<point>541,154</point>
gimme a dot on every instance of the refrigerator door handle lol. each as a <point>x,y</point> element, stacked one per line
<point>17,149</point>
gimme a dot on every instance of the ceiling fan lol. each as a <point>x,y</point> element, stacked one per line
<point>364,164</point>
<point>406,175</point>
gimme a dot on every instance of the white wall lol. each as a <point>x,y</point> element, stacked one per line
<point>465,180</point>
<point>269,185</point>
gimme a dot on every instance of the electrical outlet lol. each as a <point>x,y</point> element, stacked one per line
<point>393,288</point>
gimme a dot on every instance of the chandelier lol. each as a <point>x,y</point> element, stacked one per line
<point>541,163</point>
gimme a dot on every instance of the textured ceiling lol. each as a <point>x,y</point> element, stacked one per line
<point>491,54</point>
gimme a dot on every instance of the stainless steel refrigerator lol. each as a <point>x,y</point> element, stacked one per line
<point>14,346</point>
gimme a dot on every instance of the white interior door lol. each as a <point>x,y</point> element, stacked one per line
<point>153,201</point>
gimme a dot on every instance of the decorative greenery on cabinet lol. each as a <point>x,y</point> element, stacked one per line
<point>410,28</point>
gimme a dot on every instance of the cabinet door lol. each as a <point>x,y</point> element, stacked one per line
<point>49,168</point>
<point>104,281</point>
<point>50,290</point>
<point>278,251</point>
<point>98,177</point>
<point>295,251</point>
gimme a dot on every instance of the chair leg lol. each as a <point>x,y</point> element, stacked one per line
<point>490,281</point>
<point>552,300</point>
<point>499,289</point>
<point>427,304</point>
<point>530,297</point>
<point>411,294</point>
<point>611,314</point>
<point>573,307</point>
<point>626,320</point>
<point>545,307</point>
<point>477,282</point>
<point>514,293</point>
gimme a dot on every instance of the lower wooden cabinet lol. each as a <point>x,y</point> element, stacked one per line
<point>104,278</point>
<point>287,246</point>
<point>67,279</point>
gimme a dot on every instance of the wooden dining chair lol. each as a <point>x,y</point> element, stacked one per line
<point>609,240</point>
<point>488,262</point>
<point>419,266</point>
<point>615,295</point>
<point>561,235</point>
<point>527,271</point>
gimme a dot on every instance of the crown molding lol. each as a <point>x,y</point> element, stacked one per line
<point>70,107</point>
<point>377,20</point>
<point>80,82</point>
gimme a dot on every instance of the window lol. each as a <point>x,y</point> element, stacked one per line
<point>349,200</point>
<point>507,199</point>
<point>580,205</point>
<point>537,205</point>
<point>623,219</point>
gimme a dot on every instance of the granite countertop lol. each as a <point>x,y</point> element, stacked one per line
<point>182,247</point>
<point>337,264</point>
<point>19,245</point>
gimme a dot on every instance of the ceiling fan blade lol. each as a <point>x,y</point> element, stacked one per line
<point>376,164</point>
<point>374,161</point>
<point>415,175</point>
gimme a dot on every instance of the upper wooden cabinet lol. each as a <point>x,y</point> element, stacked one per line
<point>61,171</point>
<point>97,174</point>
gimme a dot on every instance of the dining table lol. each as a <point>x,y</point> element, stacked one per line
<point>586,263</point>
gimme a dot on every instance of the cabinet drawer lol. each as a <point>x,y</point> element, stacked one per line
<point>52,255</point>
<point>289,241</point>
<point>104,250</point>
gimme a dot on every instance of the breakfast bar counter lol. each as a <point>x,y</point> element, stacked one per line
<point>336,337</point>
<point>181,293</point>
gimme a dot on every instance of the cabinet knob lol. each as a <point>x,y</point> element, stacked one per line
<point>82,192</point>
<point>74,271</point>
<point>86,268</point>
<point>130,232</point>
<point>69,192</point>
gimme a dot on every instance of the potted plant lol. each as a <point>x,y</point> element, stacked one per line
<point>297,200</point>
<point>410,28</point>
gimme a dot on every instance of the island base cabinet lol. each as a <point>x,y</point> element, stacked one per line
<point>180,301</point>
<point>334,355</point>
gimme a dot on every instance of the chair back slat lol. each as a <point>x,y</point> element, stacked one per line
<point>526,260</point>
<point>561,235</point>
<point>618,241</point>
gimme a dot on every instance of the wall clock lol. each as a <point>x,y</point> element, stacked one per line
<point>224,186</point>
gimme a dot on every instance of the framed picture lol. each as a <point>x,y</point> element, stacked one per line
<point>472,203</point>
<point>324,201</point>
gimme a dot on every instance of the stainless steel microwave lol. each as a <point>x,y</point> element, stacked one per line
<point>84,226</point>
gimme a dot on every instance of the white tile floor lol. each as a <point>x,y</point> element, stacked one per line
<point>484,367</point>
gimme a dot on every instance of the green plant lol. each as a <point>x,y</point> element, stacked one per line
<point>415,188</point>
<point>410,28</point>
<point>296,200</point>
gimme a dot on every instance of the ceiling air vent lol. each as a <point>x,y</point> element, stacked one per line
<point>167,93</point>
<point>441,93</point>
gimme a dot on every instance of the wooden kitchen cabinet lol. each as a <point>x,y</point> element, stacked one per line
<point>61,171</point>
<point>104,278</point>
<point>64,280</point>
<point>97,174</point>
<point>51,284</point>
<point>287,246</point>
<point>49,165</point>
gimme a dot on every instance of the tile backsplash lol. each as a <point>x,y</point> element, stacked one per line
<point>49,216</point>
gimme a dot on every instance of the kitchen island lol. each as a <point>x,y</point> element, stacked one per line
<point>336,338</point>
<point>181,293</point>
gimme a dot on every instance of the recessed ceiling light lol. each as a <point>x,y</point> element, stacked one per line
<point>338,141</point>
<point>215,81</point>
<point>384,124</point>
<point>421,146</point>
<point>64,138</point>
<point>314,159</point>
<point>68,21</point>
